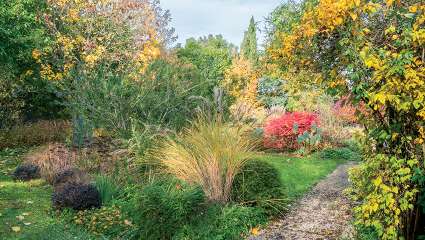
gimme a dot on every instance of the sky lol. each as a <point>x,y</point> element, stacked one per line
<point>196,18</point>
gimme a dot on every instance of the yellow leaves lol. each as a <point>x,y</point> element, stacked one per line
<point>16,229</point>
<point>353,16</point>
<point>413,9</point>
<point>390,30</point>
<point>389,2</point>
<point>377,182</point>
<point>255,231</point>
<point>36,55</point>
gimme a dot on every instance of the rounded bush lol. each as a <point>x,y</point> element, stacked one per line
<point>26,172</point>
<point>68,176</point>
<point>76,196</point>
<point>258,184</point>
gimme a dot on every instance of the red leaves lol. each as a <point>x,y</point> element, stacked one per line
<point>281,133</point>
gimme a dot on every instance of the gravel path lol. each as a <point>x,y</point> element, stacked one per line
<point>324,213</point>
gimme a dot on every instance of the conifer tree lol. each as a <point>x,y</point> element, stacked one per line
<point>249,44</point>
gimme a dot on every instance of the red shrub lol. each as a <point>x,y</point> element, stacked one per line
<point>279,132</point>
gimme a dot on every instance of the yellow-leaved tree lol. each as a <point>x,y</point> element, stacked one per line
<point>375,51</point>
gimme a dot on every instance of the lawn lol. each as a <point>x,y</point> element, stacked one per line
<point>25,208</point>
<point>299,174</point>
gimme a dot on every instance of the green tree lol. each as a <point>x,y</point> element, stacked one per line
<point>249,44</point>
<point>211,55</point>
<point>23,94</point>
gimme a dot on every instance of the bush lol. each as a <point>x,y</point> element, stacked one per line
<point>76,196</point>
<point>223,223</point>
<point>69,176</point>
<point>34,134</point>
<point>109,221</point>
<point>26,172</point>
<point>258,184</point>
<point>282,133</point>
<point>163,208</point>
<point>339,153</point>
<point>107,189</point>
<point>210,154</point>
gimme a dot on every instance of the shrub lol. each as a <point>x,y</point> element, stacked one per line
<point>223,223</point>
<point>34,134</point>
<point>210,154</point>
<point>107,189</point>
<point>76,196</point>
<point>282,133</point>
<point>68,176</point>
<point>163,208</point>
<point>52,159</point>
<point>26,172</point>
<point>345,111</point>
<point>109,221</point>
<point>339,153</point>
<point>258,184</point>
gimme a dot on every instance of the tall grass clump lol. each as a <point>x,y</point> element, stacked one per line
<point>107,188</point>
<point>209,153</point>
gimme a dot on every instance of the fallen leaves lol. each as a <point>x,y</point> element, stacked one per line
<point>16,229</point>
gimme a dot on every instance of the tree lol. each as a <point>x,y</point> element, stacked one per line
<point>100,45</point>
<point>375,51</point>
<point>24,96</point>
<point>211,55</point>
<point>249,44</point>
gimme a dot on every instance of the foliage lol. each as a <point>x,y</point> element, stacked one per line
<point>240,80</point>
<point>107,188</point>
<point>33,134</point>
<point>106,221</point>
<point>209,153</point>
<point>270,92</point>
<point>258,185</point>
<point>345,111</point>
<point>337,42</point>
<point>220,223</point>
<point>162,208</point>
<point>339,153</point>
<point>24,96</point>
<point>249,49</point>
<point>282,133</point>
<point>26,172</point>
<point>168,94</point>
<point>52,159</point>
<point>97,49</point>
<point>69,176</point>
<point>391,192</point>
<point>76,196</point>
<point>311,140</point>
<point>211,55</point>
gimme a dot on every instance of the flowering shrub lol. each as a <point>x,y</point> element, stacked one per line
<point>282,133</point>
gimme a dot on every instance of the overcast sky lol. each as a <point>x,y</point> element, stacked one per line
<point>196,18</point>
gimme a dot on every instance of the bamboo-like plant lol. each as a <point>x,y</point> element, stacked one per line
<point>209,153</point>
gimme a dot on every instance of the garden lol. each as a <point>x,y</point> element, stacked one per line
<point>111,130</point>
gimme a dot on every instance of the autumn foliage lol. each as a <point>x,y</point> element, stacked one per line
<point>281,133</point>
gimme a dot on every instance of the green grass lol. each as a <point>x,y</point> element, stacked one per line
<point>300,174</point>
<point>26,206</point>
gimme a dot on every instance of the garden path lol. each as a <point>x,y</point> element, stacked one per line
<point>324,213</point>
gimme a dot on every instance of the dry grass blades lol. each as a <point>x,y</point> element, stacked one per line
<point>210,154</point>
